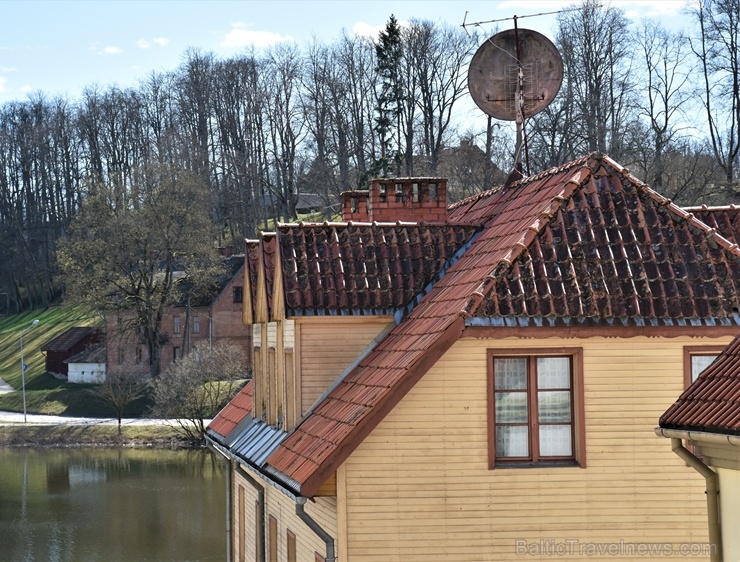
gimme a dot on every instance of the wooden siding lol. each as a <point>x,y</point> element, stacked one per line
<point>289,334</point>
<point>327,346</point>
<point>729,486</point>
<point>282,508</point>
<point>419,487</point>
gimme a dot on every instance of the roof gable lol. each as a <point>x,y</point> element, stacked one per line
<point>354,407</point>
<point>251,273</point>
<point>712,402</point>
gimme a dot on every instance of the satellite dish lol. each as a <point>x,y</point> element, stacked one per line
<point>514,63</point>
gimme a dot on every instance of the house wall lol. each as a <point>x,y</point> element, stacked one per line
<point>419,487</point>
<point>296,360</point>
<point>729,493</point>
<point>282,508</point>
<point>326,346</point>
<point>93,373</point>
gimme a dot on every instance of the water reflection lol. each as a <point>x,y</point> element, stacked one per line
<point>111,505</point>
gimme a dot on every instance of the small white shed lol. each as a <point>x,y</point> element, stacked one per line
<point>87,366</point>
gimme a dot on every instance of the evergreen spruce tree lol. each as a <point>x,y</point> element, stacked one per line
<point>389,53</point>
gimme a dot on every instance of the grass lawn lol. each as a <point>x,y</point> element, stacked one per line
<point>44,393</point>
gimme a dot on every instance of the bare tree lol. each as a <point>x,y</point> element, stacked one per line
<point>127,258</point>
<point>195,388</point>
<point>282,75</point>
<point>718,50</point>
<point>595,44</point>
<point>119,390</point>
<point>664,98</point>
<point>439,55</point>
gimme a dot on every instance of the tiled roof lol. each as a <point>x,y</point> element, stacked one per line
<point>616,251</point>
<point>362,268</point>
<point>620,216</point>
<point>725,219</point>
<point>234,412</point>
<point>68,339</point>
<point>712,402</point>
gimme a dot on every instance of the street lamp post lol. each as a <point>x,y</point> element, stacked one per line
<point>23,368</point>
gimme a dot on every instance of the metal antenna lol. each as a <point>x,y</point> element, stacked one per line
<point>465,25</point>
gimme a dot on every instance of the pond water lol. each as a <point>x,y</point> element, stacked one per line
<point>111,505</point>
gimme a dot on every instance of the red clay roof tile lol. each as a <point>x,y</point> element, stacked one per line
<point>712,403</point>
<point>234,412</point>
<point>351,268</point>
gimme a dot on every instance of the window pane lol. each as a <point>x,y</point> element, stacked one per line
<point>556,441</point>
<point>511,407</point>
<point>553,372</point>
<point>512,441</point>
<point>553,406</point>
<point>699,363</point>
<point>511,373</point>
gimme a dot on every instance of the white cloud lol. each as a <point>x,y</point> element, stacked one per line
<point>637,9</point>
<point>7,69</point>
<point>3,84</point>
<point>149,43</point>
<point>634,9</point>
<point>240,37</point>
<point>107,50</point>
<point>363,29</point>
<point>26,89</point>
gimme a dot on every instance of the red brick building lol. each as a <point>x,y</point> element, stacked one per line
<point>191,324</point>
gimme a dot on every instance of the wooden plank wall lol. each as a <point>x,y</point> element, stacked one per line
<point>282,508</point>
<point>327,346</point>
<point>419,488</point>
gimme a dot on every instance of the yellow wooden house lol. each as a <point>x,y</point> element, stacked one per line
<point>481,383</point>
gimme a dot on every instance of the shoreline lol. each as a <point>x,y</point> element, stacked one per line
<point>68,436</point>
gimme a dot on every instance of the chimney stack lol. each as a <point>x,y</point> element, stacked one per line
<point>398,199</point>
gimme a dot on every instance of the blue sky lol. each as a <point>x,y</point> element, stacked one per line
<point>60,47</point>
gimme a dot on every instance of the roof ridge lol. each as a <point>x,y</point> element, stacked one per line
<point>682,212</point>
<point>696,208</point>
<point>528,235</point>
<point>544,173</point>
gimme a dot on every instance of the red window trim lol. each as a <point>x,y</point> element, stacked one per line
<point>579,411</point>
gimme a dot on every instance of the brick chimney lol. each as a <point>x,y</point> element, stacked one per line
<point>398,199</point>
<point>354,206</point>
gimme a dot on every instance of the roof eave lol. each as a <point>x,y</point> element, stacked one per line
<point>700,435</point>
